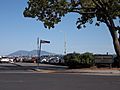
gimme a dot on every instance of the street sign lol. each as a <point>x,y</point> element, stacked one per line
<point>44,41</point>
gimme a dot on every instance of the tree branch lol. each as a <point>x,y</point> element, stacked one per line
<point>94,1</point>
<point>117,28</point>
<point>83,12</point>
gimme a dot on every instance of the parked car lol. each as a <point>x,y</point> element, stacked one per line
<point>6,60</point>
<point>54,60</point>
<point>44,60</point>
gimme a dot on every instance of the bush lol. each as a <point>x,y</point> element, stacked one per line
<point>76,60</point>
<point>87,58</point>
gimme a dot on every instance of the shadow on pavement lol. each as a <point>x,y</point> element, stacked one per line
<point>29,66</point>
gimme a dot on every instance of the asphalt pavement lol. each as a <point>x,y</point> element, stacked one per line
<point>57,81</point>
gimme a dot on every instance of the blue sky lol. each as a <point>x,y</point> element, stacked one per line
<point>19,33</point>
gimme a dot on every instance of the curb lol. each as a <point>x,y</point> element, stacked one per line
<point>44,71</point>
<point>87,72</point>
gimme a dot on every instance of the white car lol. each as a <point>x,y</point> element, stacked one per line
<point>54,60</point>
<point>6,60</point>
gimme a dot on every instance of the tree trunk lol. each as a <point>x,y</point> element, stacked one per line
<point>116,40</point>
<point>119,44</point>
<point>116,44</point>
<point>119,36</point>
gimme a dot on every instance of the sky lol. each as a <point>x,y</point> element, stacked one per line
<point>20,33</point>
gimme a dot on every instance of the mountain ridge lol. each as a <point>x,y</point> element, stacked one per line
<point>29,53</point>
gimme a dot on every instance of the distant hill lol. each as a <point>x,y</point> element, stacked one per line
<point>29,53</point>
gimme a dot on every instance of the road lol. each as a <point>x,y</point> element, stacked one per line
<point>40,81</point>
<point>20,76</point>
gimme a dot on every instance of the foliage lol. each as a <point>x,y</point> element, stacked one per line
<point>72,59</point>
<point>87,58</point>
<point>79,60</point>
<point>51,11</point>
<point>47,11</point>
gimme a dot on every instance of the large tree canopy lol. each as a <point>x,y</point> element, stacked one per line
<point>50,13</point>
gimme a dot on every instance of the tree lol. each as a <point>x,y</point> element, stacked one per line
<point>50,13</point>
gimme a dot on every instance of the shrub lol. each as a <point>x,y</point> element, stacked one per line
<point>76,60</point>
<point>87,58</point>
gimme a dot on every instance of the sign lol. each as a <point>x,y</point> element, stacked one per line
<point>103,59</point>
<point>44,41</point>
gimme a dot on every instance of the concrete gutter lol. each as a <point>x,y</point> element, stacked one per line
<point>95,72</point>
<point>82,71</point>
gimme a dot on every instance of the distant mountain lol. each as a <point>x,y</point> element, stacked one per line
<point>29,53</point>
